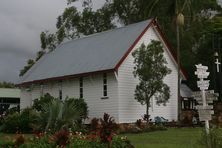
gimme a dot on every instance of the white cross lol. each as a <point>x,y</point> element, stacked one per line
<point>218,64</point>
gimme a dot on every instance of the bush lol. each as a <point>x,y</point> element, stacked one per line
<point>80,105</point>
<point>12,110</point>
<point>61,138</point>
<point>37,104</point>
<point>107,129</point>
<point>19,122</point>
<point>58,114</point>
<point>27,119</point>
<point>11,123</point>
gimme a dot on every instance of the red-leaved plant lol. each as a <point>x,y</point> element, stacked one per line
<point>107,129</point>
<point>19,140</point>
<point>61,138</point>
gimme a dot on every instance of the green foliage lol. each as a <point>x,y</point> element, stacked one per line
<point>214,138</point>
<point>30,63</point>
<point>37,103</point>
<point>28,116</point>
<point>12,110</point>
<point>56,114</point>
<point>11,123</point>
<point>7,85</point>
<point>39,142</point>
<point>7,144</point>
<point>150,68</point>
<point>19,122</point>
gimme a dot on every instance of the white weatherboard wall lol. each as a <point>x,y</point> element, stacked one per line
<point>92,93</point>
<point>25,98</point>
<point>129,109</point>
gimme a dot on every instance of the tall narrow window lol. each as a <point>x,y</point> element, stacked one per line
<point>60,90</point>
<point>41,90</point>
<point>60,94</point>
<point>105,85</point>
<point>81,87</point>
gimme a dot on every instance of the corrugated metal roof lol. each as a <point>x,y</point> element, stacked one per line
<point>9,93</point>
<point>97,52</point>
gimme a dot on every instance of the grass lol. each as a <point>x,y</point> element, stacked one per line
<point>171,138</point>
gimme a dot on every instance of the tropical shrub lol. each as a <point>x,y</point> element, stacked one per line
<point>28,117</point>
<point>61,138</point>
<point>58,114</point>
<point>11,123</point>
<point>19,122</point>
<point>37,103</point>
<point>107,129</point>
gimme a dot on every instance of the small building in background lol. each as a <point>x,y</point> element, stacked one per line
<point>9,97</point>
<point>188,102</point>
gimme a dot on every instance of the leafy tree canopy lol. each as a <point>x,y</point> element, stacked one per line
<point>7,85</point>
<point>150,68</point>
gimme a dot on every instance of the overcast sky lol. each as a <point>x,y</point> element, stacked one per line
<point>21,22</point>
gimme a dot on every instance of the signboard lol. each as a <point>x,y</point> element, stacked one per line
<point>208,102</point>
<point>205,114</point>
<point>204,83</point>
<point>207,99</point>
<point>210,95</point>
<point>201,67</point>
<point>209,107</point>
<point>199,92</point>
<point>202,71</point>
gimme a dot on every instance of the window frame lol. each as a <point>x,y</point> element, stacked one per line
<point>81,87</point>
<point>105,85</point>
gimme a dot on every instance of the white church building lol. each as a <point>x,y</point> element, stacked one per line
<point>99,68</point>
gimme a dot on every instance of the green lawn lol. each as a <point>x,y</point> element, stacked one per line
<point>171,138</point>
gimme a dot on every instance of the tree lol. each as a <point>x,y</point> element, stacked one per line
<point>30,63</point>
<point>7,85</point>
<point>150,68</point>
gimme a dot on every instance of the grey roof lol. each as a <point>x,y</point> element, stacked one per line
<point>97,52</point>
<point>185,91</point>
